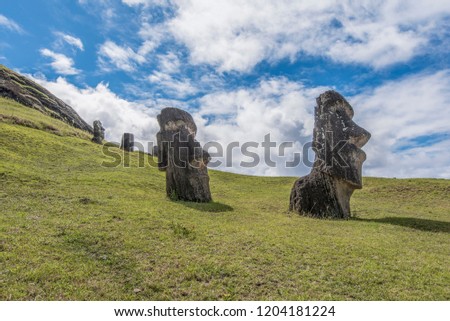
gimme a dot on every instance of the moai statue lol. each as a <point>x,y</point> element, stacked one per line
<point>182,157</point>
<point>127,143</point>
<point>155,151</point>
<point>336,172</point>
<point>99,132</point>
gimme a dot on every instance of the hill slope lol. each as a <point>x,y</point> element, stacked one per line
<point>27,92</point>
<point>72,229</point>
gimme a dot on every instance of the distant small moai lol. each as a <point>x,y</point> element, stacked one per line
<point>337,168</point>
<point>127,143</point>
<point>182,157</point>
<point>155,151</point>
<point>99,132</point>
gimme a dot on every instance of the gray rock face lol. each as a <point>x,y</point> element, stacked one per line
<point>127,143</point>
<point>336,173</point>
<point>182,157</point>
<point>30,94</point>
<point>99,132</point>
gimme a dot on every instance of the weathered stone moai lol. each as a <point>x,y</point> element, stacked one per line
<point>155,151</point>
<point>336,172</point>
<point>182,157</point>
<point>127,142</point>
<point>99,132</point>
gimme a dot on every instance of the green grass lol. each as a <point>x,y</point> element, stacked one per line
<point>72,229</point>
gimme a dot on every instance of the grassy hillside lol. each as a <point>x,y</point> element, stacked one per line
<point>71,229</point>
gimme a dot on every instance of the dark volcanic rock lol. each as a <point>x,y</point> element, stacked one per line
<point>336,173</point>
<point>30,94</point>
<point>99,132</point>
<point>182,157</point>
<point>127,142</point>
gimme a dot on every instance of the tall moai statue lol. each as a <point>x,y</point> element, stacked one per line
<point>99,132</point>
<point>336,172</point>
<point>127,143</point>
<point>182,157</point>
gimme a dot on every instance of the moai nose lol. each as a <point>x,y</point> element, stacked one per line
<point>357,135</point>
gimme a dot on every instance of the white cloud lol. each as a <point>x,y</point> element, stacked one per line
<point>401,112</point>
<point>276,106</point>
<point>237,35</point>
<point>169,63</point>
<point>166,77</point>
<point>147,47</point>
<point>134,2</point>
<point>144,2</point>
<point>61,63</point>
<point>116,114</point>
<point>123,58</point>
<point>179,88</point>
<point>10,24</point>
<point>383,48</point>
<point>106,9</point>
<point>71,40</point>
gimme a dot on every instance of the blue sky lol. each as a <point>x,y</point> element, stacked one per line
<point>248,68</point>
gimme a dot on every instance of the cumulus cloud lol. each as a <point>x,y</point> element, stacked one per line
<point>10,24</point>
<point>61,63</point>
<point>409,121</point>
<point>71,40</point>
<point>116,114</point>
<point>277,107</point>
<point>120,57</point>
<point>237,35</point>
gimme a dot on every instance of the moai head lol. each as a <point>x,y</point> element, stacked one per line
<point>173,119</point>
<point>178,126</point>
<point>99,132</point>
<point>337,139</point>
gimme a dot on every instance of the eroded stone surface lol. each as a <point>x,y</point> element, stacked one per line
<point>182,157</point>
<point>99,132</point>
<point>336,173</point>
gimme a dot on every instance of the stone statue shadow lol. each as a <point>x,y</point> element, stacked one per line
<point>212,207</point>
<point>411,222</point>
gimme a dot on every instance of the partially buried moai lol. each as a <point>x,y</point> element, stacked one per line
<point>336,172</point>
<point>127,143</point>
<point>99,132</point>
<point>182,157</point>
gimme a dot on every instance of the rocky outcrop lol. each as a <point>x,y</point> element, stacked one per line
<point>30,94</point>
<point>336,173</point>
<point>182,157</point>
